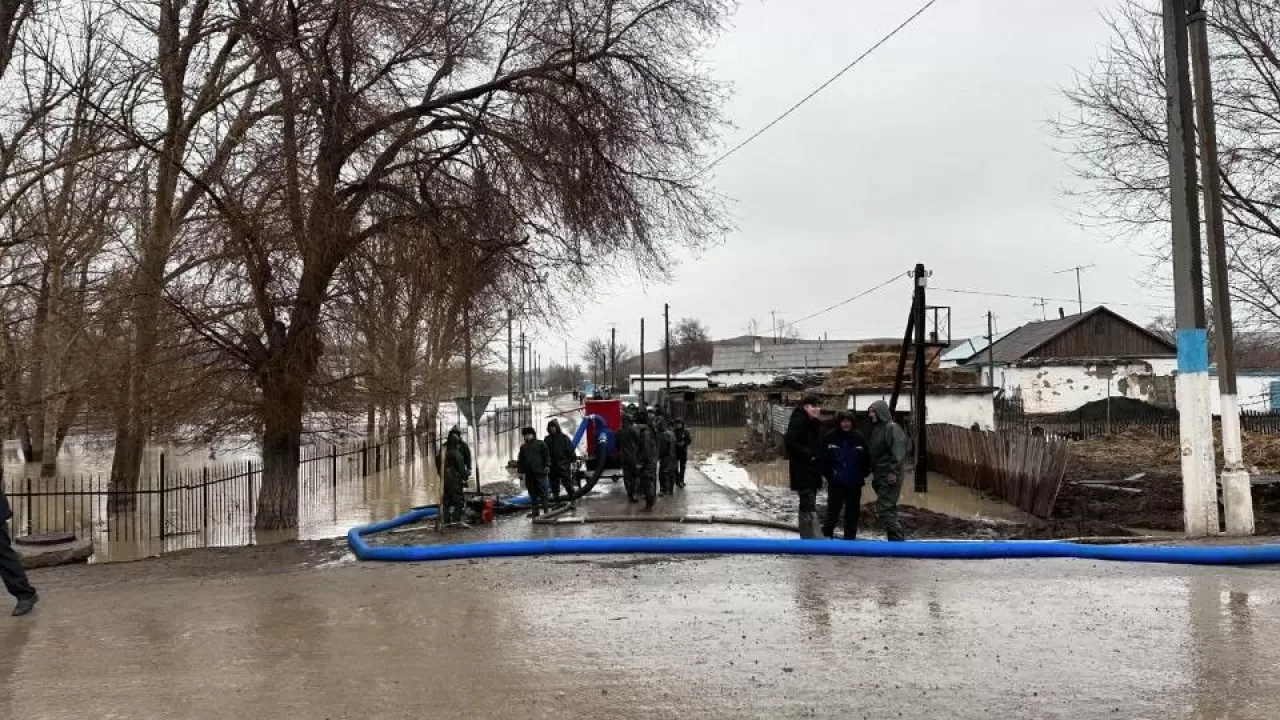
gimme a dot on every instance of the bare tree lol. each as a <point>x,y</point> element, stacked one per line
<point>586,119</point>
<point>1117,138</point>
<point>692,344</point>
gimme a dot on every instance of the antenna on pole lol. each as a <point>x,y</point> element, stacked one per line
<point>1079,293</point>
<point>1042,304</point>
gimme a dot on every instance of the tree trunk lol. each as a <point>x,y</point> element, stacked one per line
<point>369,422</point>
<point>410,432</point>
<point>281,452</point>
<point>125,464</point>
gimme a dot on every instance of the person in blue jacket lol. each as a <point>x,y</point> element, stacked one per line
<point>846,469</point>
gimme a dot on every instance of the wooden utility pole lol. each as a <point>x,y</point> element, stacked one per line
<point>920,373</point>
<point>1199,486</point>
<point>666,331</point>
<point>613,359</point>
<point>642,400</point>
<point>1237,498</point>
<point>991,341</point>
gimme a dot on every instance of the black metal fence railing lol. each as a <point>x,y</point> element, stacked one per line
<point>506,419</point>
<point>214,505</point>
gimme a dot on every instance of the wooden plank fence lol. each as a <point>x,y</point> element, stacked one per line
<point>1024,470</point>
<point>710,413</point>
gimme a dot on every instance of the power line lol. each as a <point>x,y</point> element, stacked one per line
<point>821,87</point>
<point>846,301</point>
<point>983,293</point>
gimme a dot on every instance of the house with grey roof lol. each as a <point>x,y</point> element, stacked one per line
<point>1061,364</point>
<point>763,361</point>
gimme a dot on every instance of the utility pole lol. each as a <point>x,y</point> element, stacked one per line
<point>1079,290</point>
<point>613,358</point>
<point>471,396</point>
<point>991,355</point>
<point>523,395</point>
<point>920,373</point>
<point>642,401</point>
<point>568,376</point>
<point>666,331</point>
<point>1237,497</point>
<point>510,367</point>
<point>1199,486</point>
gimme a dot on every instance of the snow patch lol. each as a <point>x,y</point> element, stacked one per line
<point>720,469</point>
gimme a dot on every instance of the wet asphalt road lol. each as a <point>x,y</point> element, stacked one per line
<point>653,637</point>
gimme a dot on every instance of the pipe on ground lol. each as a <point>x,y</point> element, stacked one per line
<point>922,549</point>
<point>686,519</point>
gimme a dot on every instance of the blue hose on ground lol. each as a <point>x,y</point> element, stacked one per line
<point>932,550</point>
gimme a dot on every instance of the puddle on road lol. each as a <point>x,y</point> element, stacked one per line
<point>944,496</point>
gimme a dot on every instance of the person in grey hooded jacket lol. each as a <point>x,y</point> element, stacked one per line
<point>887,448</point>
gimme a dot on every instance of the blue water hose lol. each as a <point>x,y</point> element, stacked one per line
<point>922,549</point>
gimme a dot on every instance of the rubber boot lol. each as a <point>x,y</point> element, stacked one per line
<point>807,523</point>
<point>828,531</point>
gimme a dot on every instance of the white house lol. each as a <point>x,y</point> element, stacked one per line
<point>963,406</point>
<point>651,383</point>
<point>1059,365</point>
<point>1257,390</point>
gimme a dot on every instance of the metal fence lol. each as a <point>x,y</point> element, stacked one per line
<point>1090,422</point>
<point>214,505</point>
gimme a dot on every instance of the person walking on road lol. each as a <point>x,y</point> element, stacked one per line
<point>560,451</point>
<point>887,447</point>
<point>534,464</point>
<point>668,458</point>
<point>684,439</point>
<point>846,470</point>
<point>647,459</point>
<point>805,460</point>
<point>629,451</point>
<point>11,570</point>
<point>454,465</point>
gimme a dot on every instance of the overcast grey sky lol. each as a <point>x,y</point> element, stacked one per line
<point>934,149</point>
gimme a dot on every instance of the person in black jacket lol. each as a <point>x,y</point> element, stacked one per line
<point>847,467</point>
<point>534,464</point>
<point>647,460</point>
<point>629,450</point>
<point>683,440</point>
<point>11,570</point>
<point>805,455</point>
<point>560,450</point>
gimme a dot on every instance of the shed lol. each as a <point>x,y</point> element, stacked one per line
<point>1058,365</point>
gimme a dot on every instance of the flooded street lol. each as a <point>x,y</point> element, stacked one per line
<point>650,637</point>
<point>303,631</point>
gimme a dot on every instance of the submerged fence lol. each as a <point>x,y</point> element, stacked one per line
<point>214,505</point>
<point>1024,470</point>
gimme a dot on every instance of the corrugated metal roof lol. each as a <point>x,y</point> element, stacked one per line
<point>817,355</point>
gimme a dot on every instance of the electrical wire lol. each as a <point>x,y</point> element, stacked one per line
<point>846,301</point>
<point>821,87</point>
<point>1015,296</point>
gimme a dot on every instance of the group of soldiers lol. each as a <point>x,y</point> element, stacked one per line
<point>547,466</point>
<point>655,452</point>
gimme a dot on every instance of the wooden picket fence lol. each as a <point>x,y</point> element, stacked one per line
<point>1024,470</point>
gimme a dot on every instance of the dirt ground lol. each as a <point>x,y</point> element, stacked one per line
<point>1153,501</point>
